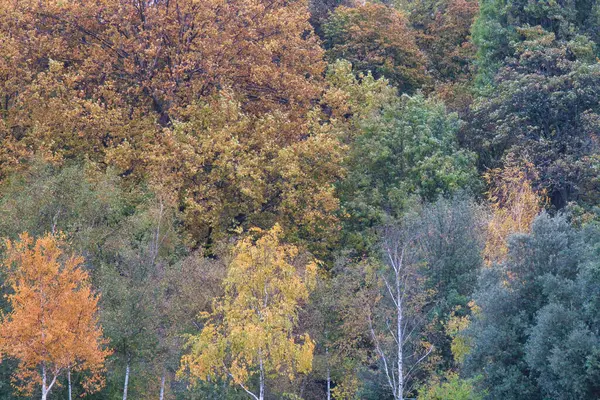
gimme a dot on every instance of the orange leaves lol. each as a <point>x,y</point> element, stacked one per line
<point>209,100</point>
<point>161,55</point>
<point>377,38</point>
<point>53,322</point>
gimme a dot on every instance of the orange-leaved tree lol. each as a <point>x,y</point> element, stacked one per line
<point>252,329</point>
<point>52,327</point>
<point>379,39</point>
<point>118,68</point>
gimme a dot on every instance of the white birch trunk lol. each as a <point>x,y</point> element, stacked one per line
<point>328,374</point>
<point>400,336</point>
<point>45,386</point>
<point>126,381</point>
<point>261,394</point>
<point>69,380</point>
<point>162,387</point>
<point>44,389</point>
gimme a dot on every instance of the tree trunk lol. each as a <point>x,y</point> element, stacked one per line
<point>328,374</point>
<point>126,380</point>
<point>261,395</point>
<point>45,385</point>
<point>162,387</point>
<point>69,380</point>
<point>44,388</point>
<point>400,394</point>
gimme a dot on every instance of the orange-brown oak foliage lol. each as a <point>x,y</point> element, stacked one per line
<point>52,327</point>
<point>377,38</point>
<point>515,204</point>
<point>113,69</point>
<point>213,101</point>
<point>445,38</point>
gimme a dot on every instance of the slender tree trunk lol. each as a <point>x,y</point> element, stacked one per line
<point>126,380</point>
<point>162,387</point>
<point>399,335</point>
<point>261,395</point>
<point>44,388</point>
<point>328,374</point>
<point>69,380</point>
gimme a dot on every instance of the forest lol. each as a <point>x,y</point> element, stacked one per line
<point>300,199</point>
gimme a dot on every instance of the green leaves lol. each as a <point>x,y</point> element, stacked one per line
<point>407,152</point>
<point>536,332</point>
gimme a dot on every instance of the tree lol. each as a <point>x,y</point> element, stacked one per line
<point>229,170</point>
<point>450,241</point>
<point>533,336</point>
<point>76,199</point>
<point>544,108</point>
<point>214,102</point>
<point>452,387</point>
<point>407,152</point>
<point>395,329</point>
<point>496,30</point>
<point>138,256</point>
<point>266,51</point>
<point>444,35</point>
<point>379,39</point>
<point>514,206</point>
<point>52,327</point>
<point>251,329</point>
<point>444,30</point>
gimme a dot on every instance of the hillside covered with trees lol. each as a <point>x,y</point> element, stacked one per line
<point>294,199</point>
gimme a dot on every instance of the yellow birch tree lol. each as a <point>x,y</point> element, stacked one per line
<point>250,333</point>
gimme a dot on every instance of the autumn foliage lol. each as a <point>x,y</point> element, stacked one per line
<point>117,71</point>
<point>251,331</point>
<point>52,327</point>
<point>285,199</point>
<point>377,38</point>
<point>515,204</point>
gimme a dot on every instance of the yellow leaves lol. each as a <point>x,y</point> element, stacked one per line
<point>515,204</point>
<point>253,323</point>
<point>305,355</point>
<point>461,344</point>
<point>54,312</point>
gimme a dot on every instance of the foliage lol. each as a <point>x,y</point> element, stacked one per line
<point>251,330</point>
<point>53,325</point>
<point>450,235</point>
<point>379,39</point>
<point>452,387</point>
<point>210,102</point>
<point>230,170</point>
<point>514,206</point>
<point>407,152</point>
<point>496,30</point>
<point>544,109</point>
<point>75,199</point>
<point>533,336</point>
<point>202,155</point>
<point>352,99</point>
<point>444,29</point>
<point>161,55</point>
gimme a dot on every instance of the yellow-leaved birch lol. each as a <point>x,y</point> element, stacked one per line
<point>251,331</point>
